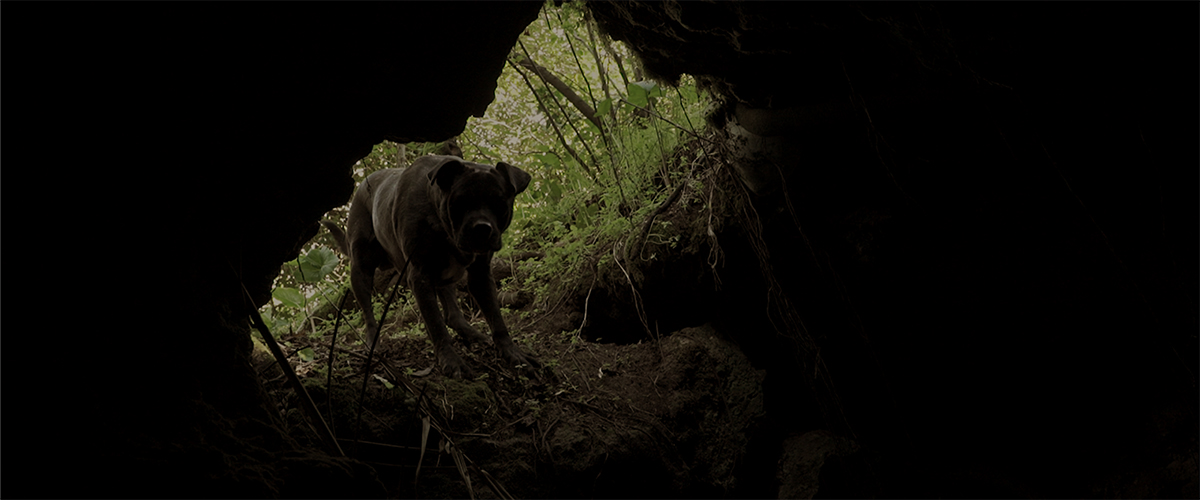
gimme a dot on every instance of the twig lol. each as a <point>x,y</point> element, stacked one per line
<point>333,347</point>
<point>306,402</point>
<point>362,393</point>
<point>542,73</point>
<point>638,306</point>
<point>581,373</point>
<point>588,300</point>
<point>660,117</point>
<point>438,422</point>
<point>640,243</point>
<point>551,310</point>
<point>553,123</point>
<point>545,433</point>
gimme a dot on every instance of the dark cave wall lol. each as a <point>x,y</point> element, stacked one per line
<point>985,217</point>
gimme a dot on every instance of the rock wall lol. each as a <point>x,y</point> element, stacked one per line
<point>983,218</point>
<point>186,151</point>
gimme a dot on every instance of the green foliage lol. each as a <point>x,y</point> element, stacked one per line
<point>641,94</point>
<point>314,265</point>
<point>290,297</point>
<point>304,287</point>
<point>576,214</point>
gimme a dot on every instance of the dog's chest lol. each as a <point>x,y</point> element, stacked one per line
<point>455,268</point>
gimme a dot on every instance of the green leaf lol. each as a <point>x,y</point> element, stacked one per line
<point>587,214</point>
<point>384,380</point>
<point>265,314</point>
<point>637,95</point>
<point>307,355</point>
<point>652,89</point>
<point>290,297</point>
<point>604,107</point>
<point>549,160</point>
<point>316,264</point>
<point>688,92</point>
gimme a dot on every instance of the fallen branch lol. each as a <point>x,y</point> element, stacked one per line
<point>554,81</point>
<point>553,124</point>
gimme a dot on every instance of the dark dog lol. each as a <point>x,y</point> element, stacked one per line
<point>443,216</point>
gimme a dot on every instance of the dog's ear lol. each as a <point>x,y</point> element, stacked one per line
<point>517,177</point>
<point>443,175</point>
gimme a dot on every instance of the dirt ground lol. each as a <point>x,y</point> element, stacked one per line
<point>664,417</point>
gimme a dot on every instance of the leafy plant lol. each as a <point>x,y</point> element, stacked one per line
<point>314,265</point>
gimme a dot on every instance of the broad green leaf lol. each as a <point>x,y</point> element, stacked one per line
<point>637,95</point>
<point>316,264</point>
<point>652,88</point>
<point>604,107</point>
<point>555,190</point>
<point>307,355</point>
<point>688,92</point>
<point>290,297</point>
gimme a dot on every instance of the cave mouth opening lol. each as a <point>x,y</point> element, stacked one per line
<point>990,263</point>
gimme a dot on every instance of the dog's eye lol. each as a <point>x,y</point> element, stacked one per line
<point>502,210</point>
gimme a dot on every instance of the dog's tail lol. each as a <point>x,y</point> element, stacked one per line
<point>339,236</point>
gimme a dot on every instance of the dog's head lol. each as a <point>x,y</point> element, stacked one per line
<point>475,201</point>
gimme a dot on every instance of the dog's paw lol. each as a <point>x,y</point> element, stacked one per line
<point>518,357</point>
<point>453,365</point>
<point>471,337</point>
<point>467,334</point>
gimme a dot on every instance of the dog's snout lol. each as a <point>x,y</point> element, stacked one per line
<point>481,236</point>
<point>482,228</point>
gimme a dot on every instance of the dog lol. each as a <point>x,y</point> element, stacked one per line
<point>442,217</point>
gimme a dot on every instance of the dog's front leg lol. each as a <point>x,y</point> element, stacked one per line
<point>454,317</point>
<point>483,289</point>
<point>427,301</point>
